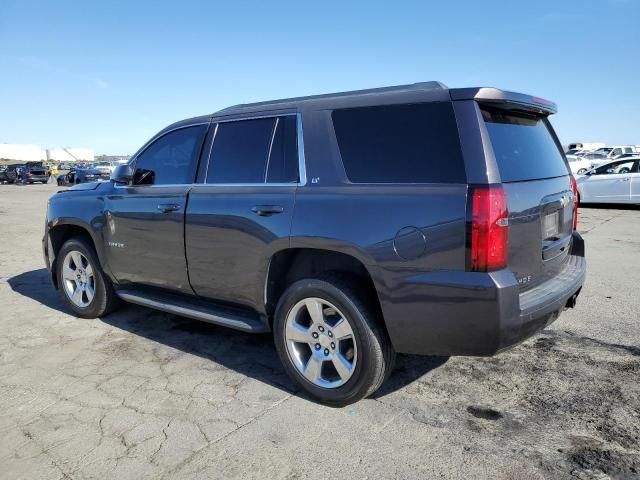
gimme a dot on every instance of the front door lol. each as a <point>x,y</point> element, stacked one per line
<point>609,183</point>
<point>242,212</point>
<point>144,235</point>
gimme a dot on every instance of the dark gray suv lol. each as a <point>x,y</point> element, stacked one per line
<point>415,219</point>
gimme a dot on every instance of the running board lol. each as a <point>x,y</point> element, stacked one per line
<point>227,317</point>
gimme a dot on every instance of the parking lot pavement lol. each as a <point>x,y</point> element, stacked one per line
<point>146,394</point>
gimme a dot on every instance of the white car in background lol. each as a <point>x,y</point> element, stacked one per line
<point>613,182</point>
<point>105,167</point>
<point>579,165</point>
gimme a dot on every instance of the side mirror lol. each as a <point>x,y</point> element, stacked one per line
<point>122,174</point>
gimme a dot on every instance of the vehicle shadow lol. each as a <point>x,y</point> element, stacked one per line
<point>253,355</point>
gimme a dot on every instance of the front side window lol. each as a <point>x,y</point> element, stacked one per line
<point>616,168</point>
<point>254,151</point>
<point>171,159</point>
<point>412,143</point>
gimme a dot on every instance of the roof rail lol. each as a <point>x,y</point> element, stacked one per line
<point>430,85</point>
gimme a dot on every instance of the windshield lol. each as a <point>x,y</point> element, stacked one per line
<point>523,146</point>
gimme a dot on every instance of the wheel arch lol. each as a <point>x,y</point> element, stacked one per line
<point>292,264</point>
<point>63,231</point>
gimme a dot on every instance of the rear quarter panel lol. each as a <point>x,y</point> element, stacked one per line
<point>407,227</point>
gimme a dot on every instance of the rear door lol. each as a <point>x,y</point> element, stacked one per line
<point>537,184</point>
<point>144,237</point>
<point>241,213</point>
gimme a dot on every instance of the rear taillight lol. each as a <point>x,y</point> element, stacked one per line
<point>487,228</point>
<point>574,187</point>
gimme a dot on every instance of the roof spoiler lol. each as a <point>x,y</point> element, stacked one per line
<point>495,95</point>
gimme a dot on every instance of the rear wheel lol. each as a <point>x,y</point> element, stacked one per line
<point>330,341</point>
<point>84,286</point>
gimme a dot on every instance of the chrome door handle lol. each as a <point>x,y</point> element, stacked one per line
<point>168,207</point>
<point>267,210</point>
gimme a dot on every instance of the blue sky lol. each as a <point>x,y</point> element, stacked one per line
<point>109,74</point>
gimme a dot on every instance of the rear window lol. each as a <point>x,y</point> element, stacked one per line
<point>523,146</point>
<point>414,143</point>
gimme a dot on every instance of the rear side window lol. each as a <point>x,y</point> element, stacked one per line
<point>254,151</point>
<point>414,143</point>
<point>523,146</point>
<point>171,159</point>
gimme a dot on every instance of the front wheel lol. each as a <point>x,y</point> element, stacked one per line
<point>330,341</point>
<point>84,286</point>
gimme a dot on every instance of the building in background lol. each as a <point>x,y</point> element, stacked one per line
<point>22,153</point>
<point>69,154</point>
<point>34,153</point>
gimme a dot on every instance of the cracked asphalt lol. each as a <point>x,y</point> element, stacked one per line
<point>143,394</point>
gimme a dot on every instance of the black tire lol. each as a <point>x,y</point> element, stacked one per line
<point>105,299</point>
<point>375,352</point>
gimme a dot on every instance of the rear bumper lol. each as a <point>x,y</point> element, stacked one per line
<point>468,313</point>
<point>37,178</point>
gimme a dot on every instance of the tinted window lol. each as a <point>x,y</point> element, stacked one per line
<point>171,159</point>
<point>240,149</point>
<point>283,161</point>
<point>523,146</point>
<point>415,143</point>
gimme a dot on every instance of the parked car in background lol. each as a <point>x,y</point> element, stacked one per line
<point>579,165</point>
<point>611,153</point>
<point>104,167</point>
<point>628,155</point>
<point>82,175</point>
<point>351,225</point>
<point>26,173</point>
<point>14,173</point>
<point>622,149</point>
<point>575,151</point>
<point>614,182</point>
<point>36,172</point>
<point>596,158</point>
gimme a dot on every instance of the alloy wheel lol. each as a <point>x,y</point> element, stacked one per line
<point>78,279</point>
<point>321,343</point>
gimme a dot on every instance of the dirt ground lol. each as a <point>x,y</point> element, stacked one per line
<point>142,394</point>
